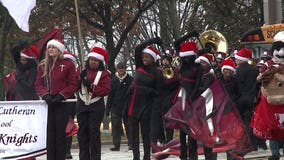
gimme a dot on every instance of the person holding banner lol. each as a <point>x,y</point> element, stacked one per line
<point>90,108</point>
<point>56,81</point>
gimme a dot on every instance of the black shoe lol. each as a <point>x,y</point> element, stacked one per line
<point>68,156</point>
<point>114,149</point>
<point>129,147</point>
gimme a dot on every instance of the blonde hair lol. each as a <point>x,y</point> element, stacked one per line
<point>47,61</point>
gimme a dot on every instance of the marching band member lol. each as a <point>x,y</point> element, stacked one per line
<point>228,69</point>
<point>190,77</point>
<point>95,84</point>
<point>143,93</point>
<point>247,88</point>
<point>56,81</point>
<point>168,94</point>
<point>207,79</point>
<point>26,73</point>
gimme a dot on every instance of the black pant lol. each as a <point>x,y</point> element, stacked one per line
<point>58,115</point>
<point>145,131</point>
<point>185,146</point>
<point>72,107</point>
<point>191,146</point>
<point>117,130</point>
<point>89,135</point>
<point>157,126</point>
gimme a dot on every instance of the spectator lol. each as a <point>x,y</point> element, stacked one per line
<point>115,104</point>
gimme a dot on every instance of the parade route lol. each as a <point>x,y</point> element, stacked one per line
<point>125,154</point>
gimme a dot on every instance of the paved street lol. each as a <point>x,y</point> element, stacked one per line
<point>125,154</point>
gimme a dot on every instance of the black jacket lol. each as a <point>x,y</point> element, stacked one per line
<point>231,88</point>
<point>191,77</point>
<point>25,86</point>
<point>117,96</point>
<point>143,92</point>
<point>168,93</point>
<point>247,87</point>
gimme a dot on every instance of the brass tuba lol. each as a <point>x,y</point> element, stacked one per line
<point>215,39</point>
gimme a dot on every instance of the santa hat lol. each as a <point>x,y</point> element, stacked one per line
<point>152,51</point>
<point>188,49</point>
<point>71,56</point>
<point>279,37</point>
<point>220,57</point>
<point>31,52</point>
<point>99,53</point>
<point>208,58</point>
<point>244,54</point>
<point>228,64</point>
<point>58,44</point>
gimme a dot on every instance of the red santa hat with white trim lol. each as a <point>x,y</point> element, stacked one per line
<point>188,49</point>
<point>71,56</point>
<point>152,52</point>
<point>99,53</point>
<point>228,64</point>
<point>208,58</point>
<point>244,54</point>
<point>30,53</point>
<point>58,44</point>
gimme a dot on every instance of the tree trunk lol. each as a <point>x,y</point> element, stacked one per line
<point>5,29</point>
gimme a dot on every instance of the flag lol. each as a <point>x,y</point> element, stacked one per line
<point>20,10</point>
<point>41,43</point>
<point>213,120</point>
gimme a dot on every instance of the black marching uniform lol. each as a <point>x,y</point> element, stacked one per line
<point>143,93</point>
<point>190,79</point>
<point>206,80</point>
<point>247,88</point>
<point>168,95</point>
<point>25,86</point>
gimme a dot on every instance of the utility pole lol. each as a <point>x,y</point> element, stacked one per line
<point>272,11</point>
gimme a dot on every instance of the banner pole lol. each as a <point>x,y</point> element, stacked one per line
<point>79,35</point>
<point>81,48</point>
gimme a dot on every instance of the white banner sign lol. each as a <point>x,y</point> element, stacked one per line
<point>23,127</point>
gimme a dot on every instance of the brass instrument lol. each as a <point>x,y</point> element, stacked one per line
<point>168,72</point>
<point>215,39</point>
<point>168,69</point>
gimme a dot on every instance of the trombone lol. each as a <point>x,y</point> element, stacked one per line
<point>168,69</point>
